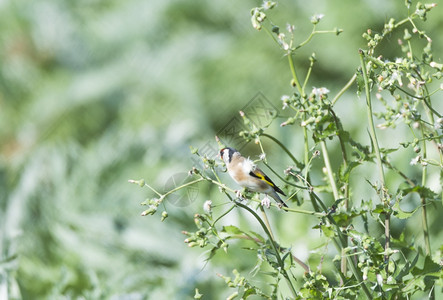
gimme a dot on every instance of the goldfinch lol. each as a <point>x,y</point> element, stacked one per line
<point>248,175</point>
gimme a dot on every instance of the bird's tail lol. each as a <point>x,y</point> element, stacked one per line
<point>274,195</point>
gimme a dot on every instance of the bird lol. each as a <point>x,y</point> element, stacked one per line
<point>249,176</point>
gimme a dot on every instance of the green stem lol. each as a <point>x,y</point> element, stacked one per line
<point>403,175</point>
<point>423,202</point>
<point>308,74</point>
<point>314,32</point>
<point>370,119</point>
<point>265,217</point>
<point>343,265</point>
<point>294,75</point>
<point>271,35</point>
<point>297,163</point>
<point>274,246</point>
<point>307,39</point>
<point>339,244</point>
<point>222,215</point>
<point>329,170</point>
<point>284,180</point>
<point>344,154</point>
<point>182,186</point>
<point>145,184</point>
<point>344,89</point>
<point>377,153</point>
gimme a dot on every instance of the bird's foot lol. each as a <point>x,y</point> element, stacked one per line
<point>239,195</point>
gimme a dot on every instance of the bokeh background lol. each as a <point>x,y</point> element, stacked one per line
<point>93,93</point>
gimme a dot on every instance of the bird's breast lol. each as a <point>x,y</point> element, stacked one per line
<point>247,181</point>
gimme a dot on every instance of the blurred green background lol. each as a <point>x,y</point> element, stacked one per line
<point>93,93</point>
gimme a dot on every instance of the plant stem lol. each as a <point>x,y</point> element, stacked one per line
<point>344,89</point>
<point>294,75</point>
<point>277,252</point>
<point>182,186</point>
<point>297,163</point>
<point>331,178</point>
<point>423,201</point>
<point>284,180</point>
<point>343,265</point>
<point>371,120</point>
<point>308,74</point>
<point>377,153</point>
<point>265,217</point>
<point>222,215</point>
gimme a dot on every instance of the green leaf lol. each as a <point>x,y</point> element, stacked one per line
<point>346,172</point>
<point>428,267</point>
<point>258,236</point>
<point>360,81</point>
<point>248,292</point>
<point>328,230</point>
<point>231,229</point>
<point>414,284</point>
<point>257,266</point>
<point>401,214</point>
<point>408,266</point>
<point>388,150</point>
<point>271,257</point>
<point>423,191</point>
<point>379,209</point>
<point>343,218</point>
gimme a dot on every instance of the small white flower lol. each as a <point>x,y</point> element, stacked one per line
<point>282,42</point>
<point>285,99</point>
<point>318,92</point>
<point>287,171</point>
<point>290,28</point>
<point>266,202</point>
<point>436,65</point>
<point>396,76</point>
<point>415,160</point>
<point>262,156</point>
<point>316,18</point>
<point>207,206</point>
<point>379,279</point>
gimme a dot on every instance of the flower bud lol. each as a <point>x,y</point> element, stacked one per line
<point>150,211</point>
<point>164,215</point>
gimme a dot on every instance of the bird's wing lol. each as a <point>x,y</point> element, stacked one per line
<point>257,173</point>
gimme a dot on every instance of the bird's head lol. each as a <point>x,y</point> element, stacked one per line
<point>226,154</point>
